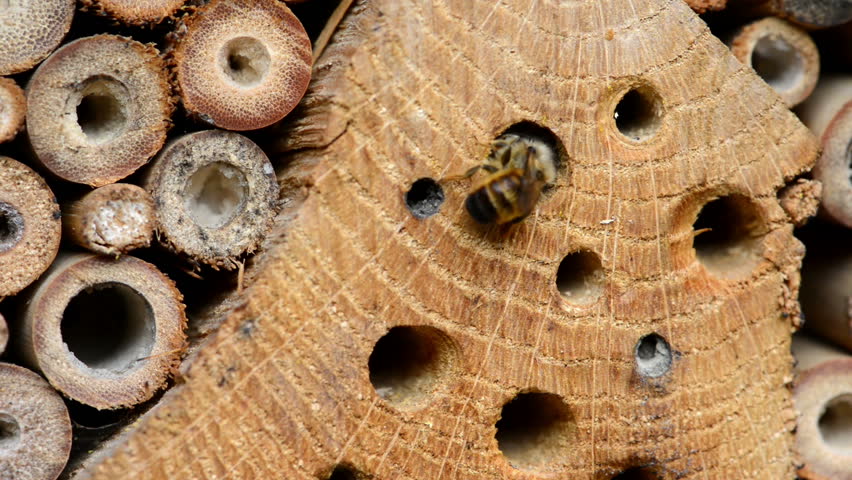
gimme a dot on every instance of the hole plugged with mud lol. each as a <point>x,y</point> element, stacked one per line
<point>653,356</point>
<point>424,198</point>
<point>638,115</point>
<point>580,278</point>
<point>727,236</point>
<point>777,62</point>
<point>10,432</point>
<point>215,194</point>
<point>637,473</point>
<point>535,429</point>
<point>835,425</point>
<point>410,363</point>
<point>123,320</point>
<point>11,227</point>
<point>245,60</point>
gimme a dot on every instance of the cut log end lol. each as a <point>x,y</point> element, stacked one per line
<point>137,314</point>
<point>30,30</point>
<point>35,430</point>
<point>13,109</point>
<point>99,108</point>
<point>242,64</point>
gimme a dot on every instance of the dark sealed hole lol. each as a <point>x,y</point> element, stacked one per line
<point>535,429</point>
<point>639,113</point>
<point>637,473</point>
<point>10,432</point>
<point>777,62</point>
<point>11,227</point>
<point>727,236</point>
<point>580,277</point>
<point>653,356</point>
<point>345,472</point>
<point>424,198</point>
<point>408,364</point>
<point>109,326</point>
<point>835,424</point>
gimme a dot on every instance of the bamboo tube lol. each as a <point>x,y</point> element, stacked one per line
<point>704,6</point>
<point>135,12</point>
<point>215,194</point>
<point>806,13</point>
<point>29,226</point>
<point>30,30</point>
<point>782,54</point>
<point>242,64</point>
<point>99,108</point>
<point>826,292</point>
<point>823,399</point>
<point>4,334</point>
<point>35,431</point>
<point>13,109</point>
<point>828,113</point>
<point>111,220</point>
<point>106,333</point>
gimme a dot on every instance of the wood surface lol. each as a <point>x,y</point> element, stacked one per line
<point>409,89</point>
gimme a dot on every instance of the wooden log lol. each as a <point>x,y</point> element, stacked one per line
<point>823,400</point>
<point>676,366</point>
<point>134,12</point>
<point>30,30</point>
<point>13,109</point>
<point>111,220</point>
<point>99,108</point>
<point>241,64</point>
<point>35,431</point>
<point>30,228</point>
<point>106,333</point>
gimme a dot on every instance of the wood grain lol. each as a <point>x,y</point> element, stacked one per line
<point>412,89</point>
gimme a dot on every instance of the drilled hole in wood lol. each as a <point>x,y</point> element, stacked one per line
<point>245,60</point>
<point>345,472</point>
<point>653,356</point>
<point>637,473</point>
<point>409,364</point>
<point>727,236</point>
<point>215,194</point>
<point>638,114</point>
<point>535,429</point>
<point>100,112</point>
<point>424,198</point>
<point>10,432</point>
<point>11,227</point>
<point>123,320</point>
<point>545,136</point>
<point>777,62</point>
<point>580,277</point>
<point>835,424</point>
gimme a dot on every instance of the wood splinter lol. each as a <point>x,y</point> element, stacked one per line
<point>111,220</point>
<point>35,430</point>
<point>30,30</point>
<point>13,109</point>
<point>782,54</point>
<point>99,108</point>
<point>30,228</point>
<point>215,194</point>
<point>106,333</point>
<point>823,400</point>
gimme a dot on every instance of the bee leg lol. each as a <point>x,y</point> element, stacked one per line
<point>490,168</point>
<point>469,173</point>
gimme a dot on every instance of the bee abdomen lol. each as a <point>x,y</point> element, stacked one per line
<point>479,206</point>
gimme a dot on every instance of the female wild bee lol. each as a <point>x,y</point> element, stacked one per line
<point>519,168</point>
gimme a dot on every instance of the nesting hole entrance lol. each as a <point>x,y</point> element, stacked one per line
<point>580,278</point>
<point>100,110</point>
<point>245,60</point>
<point>653,356</point>
<point>11,227</point>
<point>727,236</point>
<point>215,194</point>
<point>777,62</point>
<point>639,113</point>
<point>345,472</point>
<point>835,425</point>
<point>109,326</point>
<point>637,473</point>
<point>10,431</point>
<point>410,363</point>
<point>535,429</point>
<point>424,198</point>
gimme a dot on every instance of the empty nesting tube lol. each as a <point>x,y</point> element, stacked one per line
<point>35,431</point>
<point>13,109</point>
<point>215,194</point>
<point>106,333</point>
<point>29,226</point>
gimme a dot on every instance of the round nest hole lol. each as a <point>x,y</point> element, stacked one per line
<point>424,198</point>
<point>637,473</point>
<point>245,60</point>
<point>638,114</point>
<point>123,320</point>
<point>835,425</point>
<point>100,112</point>
<point>409,364</point>
<point>535,429</point>
<point>777,62</point>
<point>215,194</point>
<point>580,278</point>
<point>727,236</point>
<point>345,472</point>
<point>10,432</point>
<point>653,356</point>
<point>11,227</point>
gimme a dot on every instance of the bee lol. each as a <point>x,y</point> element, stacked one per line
<point>519,168</point>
